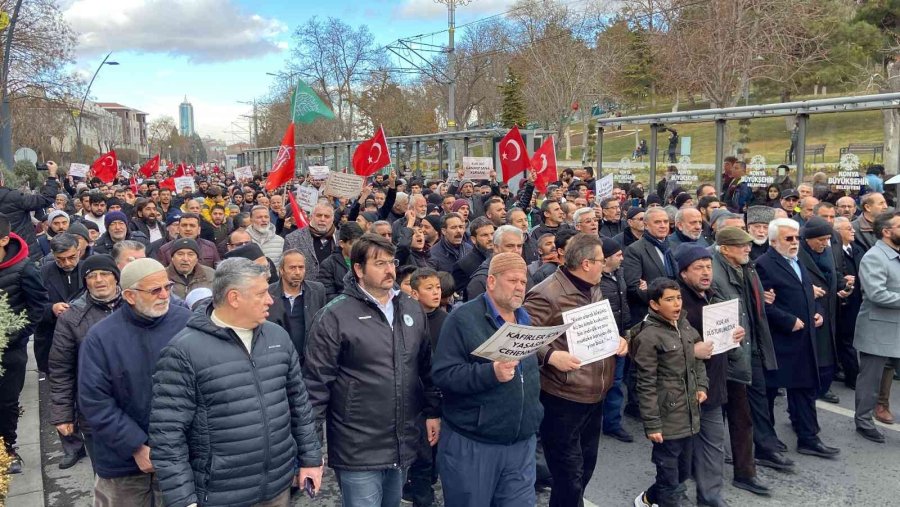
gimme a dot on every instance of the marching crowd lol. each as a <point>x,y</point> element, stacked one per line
<point>203,347</point>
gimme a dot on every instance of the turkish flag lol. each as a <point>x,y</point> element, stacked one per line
<point>544,164</point>
<point>179,171</point>
<point>169,165</point>
<point>283,167</point>
<point>168,183</point>
<point>134,185</point>
<point>513,158</point>
<point>151,167</point>
<point>371,155</point>
<point>300,219</point>
<point>106,167</point>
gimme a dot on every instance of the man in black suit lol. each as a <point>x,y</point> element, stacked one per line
<point>848,307</point>
<point>793,318</point>
<point>647,259</point>
<point>295,300</point>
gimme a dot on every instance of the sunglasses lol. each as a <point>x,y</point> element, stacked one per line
<point>791,239</point>
<point>157,291</point>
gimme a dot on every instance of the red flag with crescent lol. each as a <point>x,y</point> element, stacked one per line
<point>106,167</point>
<point>371,155</point>
<point>151,167</point>
<point>544,164</point>
<point>513,158</point>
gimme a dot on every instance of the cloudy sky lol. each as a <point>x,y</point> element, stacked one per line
<point>217,52</point>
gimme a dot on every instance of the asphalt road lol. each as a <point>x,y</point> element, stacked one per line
<point>865,473</point>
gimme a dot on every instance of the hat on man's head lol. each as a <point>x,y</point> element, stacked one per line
<point>634,211</point>
<point>79,229</point>
<point>55,214</point>
<point>92,226</point>
<point>506,261</point>
<point>717,213</point>
<point>733,236</point>
<point>463,182</point>
<point>197,295</point>
<point>370,216</point>
<point>185,244</point>
<point>459,203</point>
<point>760,214</point>
<point>99,262</point>
<point>682,198</point>
<point>432,208</point>
<point>435,222</point>
<point>816,227</point>
<point>250,251</point>
<point>790,193</point>
<point>114,216</point>
<point>172,218</point>
<point>139,269</point>
<point>688,253</point>
<point>653,199</point>
<point>610,247</point>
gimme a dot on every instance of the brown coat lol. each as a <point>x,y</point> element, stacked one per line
<point>545,303</point>
<point>201,277</point>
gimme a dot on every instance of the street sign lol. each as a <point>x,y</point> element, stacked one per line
<point>25,154</point>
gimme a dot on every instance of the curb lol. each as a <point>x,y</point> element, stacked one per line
<point>27,489</point>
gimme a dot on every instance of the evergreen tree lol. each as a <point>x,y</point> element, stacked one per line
<point>513,112</point>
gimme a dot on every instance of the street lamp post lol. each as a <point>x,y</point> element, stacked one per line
<point>84,99</point>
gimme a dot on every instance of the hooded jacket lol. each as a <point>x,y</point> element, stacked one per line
<point>22,283</point>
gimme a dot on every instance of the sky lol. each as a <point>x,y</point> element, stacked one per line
<point>217,52</point>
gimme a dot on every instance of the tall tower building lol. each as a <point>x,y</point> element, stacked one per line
<point>186,118</point>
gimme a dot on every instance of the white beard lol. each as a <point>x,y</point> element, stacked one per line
<point>760,242</point>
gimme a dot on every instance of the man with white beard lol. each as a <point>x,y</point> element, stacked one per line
<point>688,228</point>
<point>758,218</point>
<point>315,242</point>
<point>262,231</point>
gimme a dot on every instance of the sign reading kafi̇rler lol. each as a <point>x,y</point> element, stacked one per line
<point>514,342</point>
<point>594,334</point>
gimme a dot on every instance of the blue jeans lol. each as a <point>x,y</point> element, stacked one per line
<point>374,488</point>
<point>615,398</point>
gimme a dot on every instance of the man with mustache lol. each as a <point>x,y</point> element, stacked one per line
<point>115,378</point>
<point>451,247</point>
<point>368,363</point>
<point>315,242</point>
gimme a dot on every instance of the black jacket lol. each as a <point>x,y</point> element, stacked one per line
<point>407,256</point>
<point>612,229</point>
<point>331,274</point>
<point>444,255</point>
<point>228,427</point>
<point>71,329</point>
<point>615,292</point>
<point>59,290</point>
<point>717,365</point>
<point>466,267</point>
<point>22,283</point>
<point>136,224</point>
<point>313,301</point>
<point>18,207</point>
<point>104,244</point>
<point>366,378</point>
<point>626,238</point>
<point>642,262</point>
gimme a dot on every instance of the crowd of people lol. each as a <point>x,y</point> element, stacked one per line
<point>202,347</point>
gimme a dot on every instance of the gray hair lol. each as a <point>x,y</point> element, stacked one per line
<point>124,246</point>
<point>64,196</point>
<point>728,216</point>
<point>63,242</point>
<point>257,208</point>
<point>653,211</point>
<point>840,220</point>
<point>290,251</point>
<point>506,229</point>
<point>401,198</point>
<point>580,212</point>
<point>234,273</point>
<point>778,223</point>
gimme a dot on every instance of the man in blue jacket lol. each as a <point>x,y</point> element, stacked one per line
<point>492,410</point>
<point>115,381</point>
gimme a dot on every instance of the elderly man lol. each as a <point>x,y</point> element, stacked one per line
<point>368,362</point>
<point>451,247</point>
<point>263,233</point>
<point>506,239</point>
<point>296,300</point>
<point>846,207</point>
<point>758,218</point>
<point>585,221</point>
<point>872,205</point>
<point>185,271</point>
<point>789,200</point>
<point>877,339</point>
<point>115,368</point>
<point>316,242</point>
<point>572,394</point>
<point>100,276</point>
<point>792,318</point>
<point>518,218</point>
<point>647,259</point>
<point>488,459</point>
<point>688,228</point>
<point>226,430</point>
<point>611,222</point>
<point>635,230</point>
<point>117,230</point>
<point>189,227</point>
<point>848,308</point>
<point>807,209</point>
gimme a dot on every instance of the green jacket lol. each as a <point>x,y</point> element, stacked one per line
<point>668,376</point>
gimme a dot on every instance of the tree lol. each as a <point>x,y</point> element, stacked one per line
<point>158,132</point>
<point>513,112</point>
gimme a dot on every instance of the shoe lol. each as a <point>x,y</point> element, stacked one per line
<point>69,460</point>
<point>871,434</point>
<point>818,449</point>
<point>883,414</point>
<point>775,461</point>
<point>840,376</point>
<point>753,485</point>
<point>641,501</point>
<point>781,446</point>
<point>541,486</point>
<point>830,397</point>
<point>621,435</point>
<point>16,463</point>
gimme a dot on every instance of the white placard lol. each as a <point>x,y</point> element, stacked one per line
<point>318,172</point>
<point>124,173</point>
<point>719,322</point>
<point>307,197</point>
<point>477,168</point>
<point>243,173</point>
<point>79,170</point>
<point>343,185</point>
<point>594,334</point>
<point>513,342</point>
<point>604,187</point>
<point>184,182</point>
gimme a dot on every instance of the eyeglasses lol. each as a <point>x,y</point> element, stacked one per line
<point>157,291</point>
<point>791,239</point>
<point>384,264</point>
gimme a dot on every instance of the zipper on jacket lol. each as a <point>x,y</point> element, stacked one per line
<point>521,397</point>
<point>262,409</point>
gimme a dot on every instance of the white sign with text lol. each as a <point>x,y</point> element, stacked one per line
<point>514,342</point>
<point>594,334</point>
<point>78,170</point>
<point>307,197</point>
<point>344,185</point>
<point>477,168</point>
<point>719,322</point>
<point>243,173</point>
<point>604,187</point>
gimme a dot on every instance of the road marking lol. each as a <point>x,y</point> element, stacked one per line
<point>836,409</point>
<point>588,503</point>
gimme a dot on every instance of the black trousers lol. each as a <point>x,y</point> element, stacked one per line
<point>570,432</point>
<point>802,409</point>
<point>740,430</point>
<point>673,466</point>
<point>765,440</point>
<point>15,358</point>
<point>421,475</point>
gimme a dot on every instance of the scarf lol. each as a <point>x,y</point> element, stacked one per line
<point>668,258</point>
<point>824,261</point>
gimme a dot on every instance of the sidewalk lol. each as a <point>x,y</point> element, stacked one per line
<point>27,489</point>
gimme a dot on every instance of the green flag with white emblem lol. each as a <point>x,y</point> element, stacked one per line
<point>307,106</point>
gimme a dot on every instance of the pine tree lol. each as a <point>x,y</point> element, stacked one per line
<point>513,112</point>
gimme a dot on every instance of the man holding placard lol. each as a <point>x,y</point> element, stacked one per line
<point>577,369</point>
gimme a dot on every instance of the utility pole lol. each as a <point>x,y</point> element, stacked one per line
<point>451,71</point>
<point>6,151</point>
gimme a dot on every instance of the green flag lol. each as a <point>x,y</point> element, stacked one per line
<point>307,106</point>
